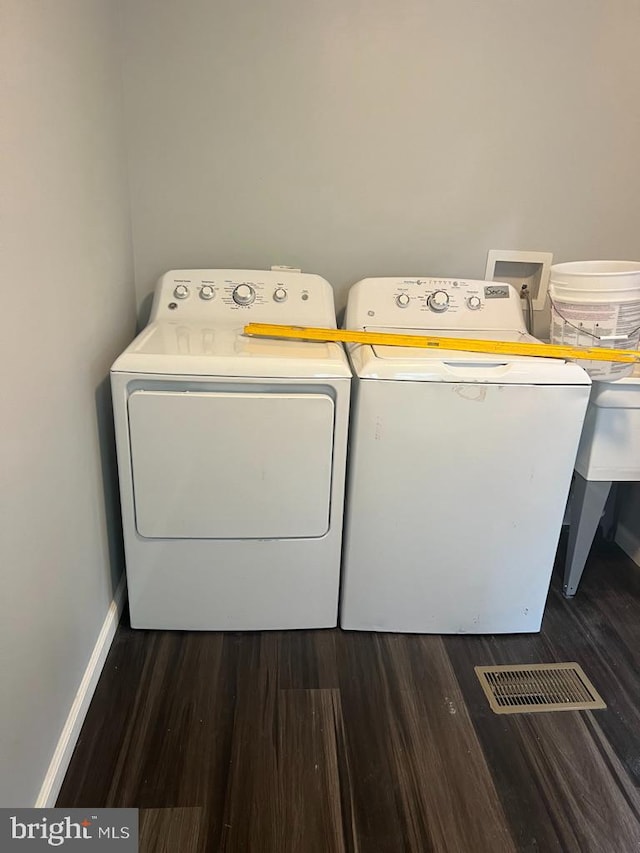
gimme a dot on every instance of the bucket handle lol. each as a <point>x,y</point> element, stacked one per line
<point>591,334</point>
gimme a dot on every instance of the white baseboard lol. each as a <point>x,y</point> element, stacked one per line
<point>78,711</point>
<point>629,542</point>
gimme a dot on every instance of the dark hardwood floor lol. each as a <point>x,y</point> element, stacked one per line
<point>333,742</point>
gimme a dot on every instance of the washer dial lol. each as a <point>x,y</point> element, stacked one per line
<point>181,291</point>
<point>403,300</point>
<point>244,294</point>
<point>207,292</point>
<point>473,303</point>
<point>438,300</point>
<point>279,294</point>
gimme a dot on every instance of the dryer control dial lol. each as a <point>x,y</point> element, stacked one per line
<point>181,291</point>
<point>438,300</point>
<point>402,300</point>
<point>279,294</point>
<point>207,292</point>
<point>473,302</point>
<point>244,294</point>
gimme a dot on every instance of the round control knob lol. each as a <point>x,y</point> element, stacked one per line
<point>279,294</point>
<point>181,291</point>
<point>207,292</point>
<point>402,300</point>
<point>473,302</point>
<point>244,294</point>
<point>439,300</point>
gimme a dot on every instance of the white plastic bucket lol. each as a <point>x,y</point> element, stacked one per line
<point>597,304</point>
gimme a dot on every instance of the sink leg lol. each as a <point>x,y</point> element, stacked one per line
<point>587,505</point>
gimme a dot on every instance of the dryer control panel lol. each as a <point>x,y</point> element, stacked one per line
<point>236,297</point>
<point>433,303</point>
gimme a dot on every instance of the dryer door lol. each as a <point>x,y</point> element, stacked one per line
<point>231,465</point>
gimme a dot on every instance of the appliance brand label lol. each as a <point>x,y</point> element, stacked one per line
<point>496,291</point>
<point>69,829</point>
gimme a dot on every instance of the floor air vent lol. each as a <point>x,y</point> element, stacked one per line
<point>525,688</point>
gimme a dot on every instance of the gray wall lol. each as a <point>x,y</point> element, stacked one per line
<point>355,138</point>
<point>68,309</point>
<point>628,531</point>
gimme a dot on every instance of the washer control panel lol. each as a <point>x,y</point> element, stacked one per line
<point>237,297</point>
<point>433,303</point>
<point>438,295</point>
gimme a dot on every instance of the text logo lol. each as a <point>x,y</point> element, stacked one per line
<point>69,829</point>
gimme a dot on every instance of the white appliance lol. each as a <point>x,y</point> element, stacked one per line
<point>459,467</point>
<point>232,454</point>
<point>609,452</point>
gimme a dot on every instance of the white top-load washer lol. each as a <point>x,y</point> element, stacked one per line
<point>460,463</point>
<point>609,451</point>
<point>232,454</point>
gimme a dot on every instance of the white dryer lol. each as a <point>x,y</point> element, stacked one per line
<point>232,454</point>
<point>460,464</point>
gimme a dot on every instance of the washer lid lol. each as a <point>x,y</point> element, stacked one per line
<point>196,350</point>
<point>411,363</point>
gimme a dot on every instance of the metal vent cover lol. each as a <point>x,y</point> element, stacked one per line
<point>527,688</point>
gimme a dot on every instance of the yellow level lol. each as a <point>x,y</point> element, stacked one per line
<point>312,333</point>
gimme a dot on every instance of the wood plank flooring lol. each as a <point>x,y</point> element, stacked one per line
<point>335,742</point>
